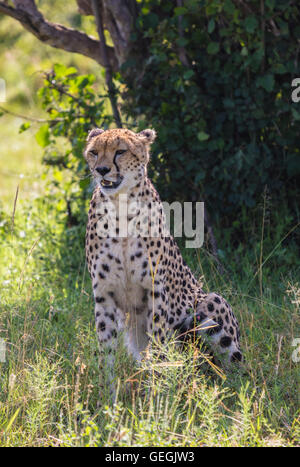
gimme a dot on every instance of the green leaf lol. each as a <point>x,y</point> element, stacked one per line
<point>202,136</point>
<point>84,183</point>
<point>182,42</point>
<point>250,24</point>
<point>43,136</point>
<point>188,74</point>
<point>213,48</point>
<point>295,113</point>
<point>267,82</point>
<point>61,71</point>
<point>180,10</point>
<point>280,69</point>
<point>71,71</point>
<point>211,26</point>
<point>82,82</point>
<point>57,175</point>
<point>229,7</point>
<point>270,4</point>
<point>24,127</point>
<point>293,164</point>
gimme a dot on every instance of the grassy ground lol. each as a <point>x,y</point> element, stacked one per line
<point>49,381</point>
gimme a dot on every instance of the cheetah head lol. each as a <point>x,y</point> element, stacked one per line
<point>118,158</point>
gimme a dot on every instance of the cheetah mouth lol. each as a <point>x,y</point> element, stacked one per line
<point>110,184</point>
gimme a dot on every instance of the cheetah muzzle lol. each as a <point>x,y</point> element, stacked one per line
<point>109,184</point>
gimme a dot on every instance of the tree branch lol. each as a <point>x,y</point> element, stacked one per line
<point>57,35</point>
<point>30,119</point>
<point>85,7</point>
<point>108,74</point>
<point>119,19</point>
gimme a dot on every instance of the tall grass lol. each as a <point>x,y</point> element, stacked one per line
<point>49,382</point>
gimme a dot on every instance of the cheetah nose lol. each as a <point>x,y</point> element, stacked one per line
<point>103,170</point>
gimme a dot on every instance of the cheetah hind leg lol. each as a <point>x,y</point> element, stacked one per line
<point>215,322</point>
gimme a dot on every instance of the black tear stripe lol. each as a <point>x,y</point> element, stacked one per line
<point>116,165</point>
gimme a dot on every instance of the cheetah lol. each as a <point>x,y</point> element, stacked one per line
<point>141,285</point>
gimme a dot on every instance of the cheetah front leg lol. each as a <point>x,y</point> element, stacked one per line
<point>136,338</point>
<point>157,313</point>
<point>109,323</point>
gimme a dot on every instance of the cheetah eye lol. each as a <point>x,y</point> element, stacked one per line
<point>94,153</point>
<point>120,151</point>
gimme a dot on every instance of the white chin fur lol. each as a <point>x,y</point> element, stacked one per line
<point>110,191</point>
<point>126,184</point>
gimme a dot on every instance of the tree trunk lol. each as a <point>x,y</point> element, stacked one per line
<point>118,19</point>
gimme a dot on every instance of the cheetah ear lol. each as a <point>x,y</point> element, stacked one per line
<point>94,132</point>
<point>148,136</point>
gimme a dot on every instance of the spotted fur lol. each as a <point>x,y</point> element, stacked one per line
<point>141,284</point>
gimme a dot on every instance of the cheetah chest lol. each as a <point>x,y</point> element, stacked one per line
<point>121,266</point>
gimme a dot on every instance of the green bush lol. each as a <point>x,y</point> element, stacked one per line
<point>216,85</point>
<point>74,107</point>
<point>226,123</point>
